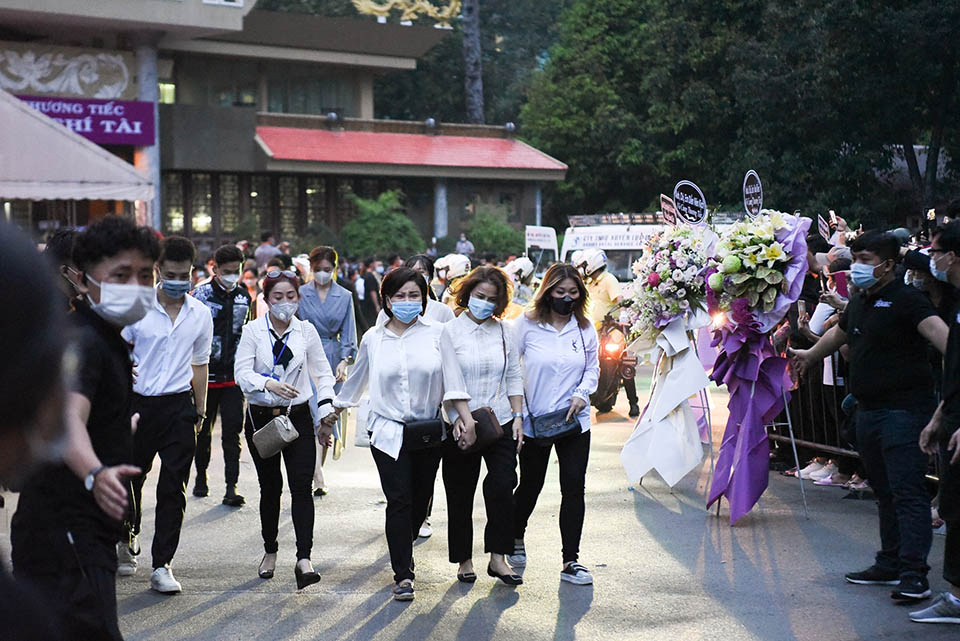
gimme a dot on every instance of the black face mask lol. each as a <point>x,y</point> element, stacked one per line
<point>562,306</point>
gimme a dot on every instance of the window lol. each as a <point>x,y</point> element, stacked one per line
<point>168,93</point>
<point>201,204</point>
<point>216,82</point>
<point>229,202</point>
<point>315,195</point>
<point>345,207</point>
<point>173,198</point>
<point>261,199</point>
<point>301,89</point>
<point>289,192</point>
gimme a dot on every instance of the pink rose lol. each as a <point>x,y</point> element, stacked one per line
<point>653,279</point>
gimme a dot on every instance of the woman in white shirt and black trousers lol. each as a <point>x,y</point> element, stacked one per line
<point>491,369</point>
<point>558,346</point>
<point>410,369</point>
<point>278,357</point>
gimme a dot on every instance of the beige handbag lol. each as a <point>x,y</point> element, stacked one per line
<point>275,435</point>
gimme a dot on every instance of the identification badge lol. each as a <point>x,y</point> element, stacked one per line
<point>277,372</point>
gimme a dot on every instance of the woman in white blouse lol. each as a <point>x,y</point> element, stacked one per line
<point>558,346</point>
<point>278,358</point>
<point>410,369</point>
<point>491,369</point>
<point>436,311</point>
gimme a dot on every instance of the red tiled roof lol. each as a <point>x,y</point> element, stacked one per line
<point>323,145</point>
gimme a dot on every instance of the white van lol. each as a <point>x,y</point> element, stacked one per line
<point>621,236</point>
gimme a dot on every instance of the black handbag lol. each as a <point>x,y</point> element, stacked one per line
<point>422,435</point>
<point>553,426</point>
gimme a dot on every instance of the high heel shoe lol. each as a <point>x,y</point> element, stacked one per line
<point>509,579</point>
<point>264,574</point>
<point>305,578</point>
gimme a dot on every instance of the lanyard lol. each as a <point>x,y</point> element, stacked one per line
<point>277,356</point>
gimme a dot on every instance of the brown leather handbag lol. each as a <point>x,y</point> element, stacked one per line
<point>489,429</point>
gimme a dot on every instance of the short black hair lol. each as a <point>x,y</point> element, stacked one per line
<point>392,258</point>
<point>421,259</point>
<point>883,244</point>
<point>396,279</point>
<point>178,249</point>
<point>286,259</point>
<point>265,236</point>
<point>948,236</point>
<point>369,261</point>
<point>227,254</point>
<point>817,244</point>
<point>34,343</point>
<point>59,249</point>
<point>108,237</point>
<point>840,265</point>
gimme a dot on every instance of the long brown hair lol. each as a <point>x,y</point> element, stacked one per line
<point>484,274</point>
<point>558,273</point>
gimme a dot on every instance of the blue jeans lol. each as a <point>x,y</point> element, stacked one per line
<point>888,444</point>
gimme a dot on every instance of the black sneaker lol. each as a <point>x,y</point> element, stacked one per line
<point>912,588</point>
<point>873,576</point>
<point>200,488</point>
<point>231,498</point>
<point>403,591</point>
<point>634,410</point>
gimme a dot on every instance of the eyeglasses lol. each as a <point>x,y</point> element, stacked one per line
<point>278,274</point>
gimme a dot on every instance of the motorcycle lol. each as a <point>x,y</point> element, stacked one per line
<point>616,363</point>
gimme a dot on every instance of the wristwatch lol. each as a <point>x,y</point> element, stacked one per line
<point>91,478</point>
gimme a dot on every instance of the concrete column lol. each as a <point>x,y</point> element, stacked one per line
<point>365,97</point>
<point>538,207</point>
<point>147,159</point>
<point>441,215</point>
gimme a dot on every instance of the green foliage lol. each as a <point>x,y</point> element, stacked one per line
<point>490,233</point>
<point>380,227</point>
<point>313,236</point>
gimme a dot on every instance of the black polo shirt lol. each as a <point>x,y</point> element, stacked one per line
<point>951,375</point>
<point>889,365</point>
<point>53,500</point>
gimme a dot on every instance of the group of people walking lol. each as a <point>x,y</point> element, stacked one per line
<point>447,384</point>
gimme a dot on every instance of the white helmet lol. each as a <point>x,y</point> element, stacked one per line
<point>452,266</point>
<point>519,268</point>
<point>589,261</point>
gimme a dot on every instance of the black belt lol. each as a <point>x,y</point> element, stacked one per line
<point>278,410</point>
<point>160,397</point>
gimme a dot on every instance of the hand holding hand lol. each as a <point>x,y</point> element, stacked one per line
<point>110,490</point>
<point>468,432</point>
<point>341,373</point>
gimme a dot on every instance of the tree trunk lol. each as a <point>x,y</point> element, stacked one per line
<point>940,111</point>
<point>913,168</point>
<point>473,76</point>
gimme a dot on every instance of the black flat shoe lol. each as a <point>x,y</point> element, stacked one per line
<point>467,577</point>
<point>305,578</point>
<point>264,574</point>
<point>509,579</point>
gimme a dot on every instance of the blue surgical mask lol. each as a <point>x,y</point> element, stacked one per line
<point>939,274</point>
<point>862,275</point>
<point>481,309</point>
<point>406,310</point>
<point>175,288</point>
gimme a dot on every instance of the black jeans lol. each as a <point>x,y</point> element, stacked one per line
<point>573,452</point>
<point>950,512</point>
<point>229,402</point>
<point>888,445</point>
<point>630,387</point>
<point>460,475</point>
<point>408,485</point>
<point>299,458</point>
<point>167,427</point>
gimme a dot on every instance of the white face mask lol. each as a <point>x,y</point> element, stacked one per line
<point>284,311</point>
<point>323,277</point>
<point>122,304</point>
<point>230,280</point>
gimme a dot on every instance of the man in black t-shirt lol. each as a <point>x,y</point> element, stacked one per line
<point>69,516</point>
<point>887,325</point>
<point>942,435</point>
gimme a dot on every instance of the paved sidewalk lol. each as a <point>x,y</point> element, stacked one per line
<point>664,568</point>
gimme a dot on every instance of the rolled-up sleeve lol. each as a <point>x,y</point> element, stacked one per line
<point>243,372</point>
<point>591,374</point>
<point>356,384</point>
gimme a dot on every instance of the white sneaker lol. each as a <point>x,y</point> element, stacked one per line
<point>824,472</point>
<point>576,574</point>
<point>126,561</point>
<point>162,581</point>
<point>425,530</point>
<point>812,467</point>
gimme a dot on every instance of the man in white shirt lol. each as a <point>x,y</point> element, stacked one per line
<point>171,347</point>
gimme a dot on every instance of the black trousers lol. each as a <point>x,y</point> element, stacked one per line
<point>888,441</point>
<point>408,485</point>
<point>228,401</point>
<point>573,453</point>
<point>461,472</point>
<point>167,427</point>
<point>630,387</point>
<point>83,595</point>
<point>950,512</point>
<point>299,458</point>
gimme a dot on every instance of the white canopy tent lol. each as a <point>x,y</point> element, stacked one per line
<point>41,159</point>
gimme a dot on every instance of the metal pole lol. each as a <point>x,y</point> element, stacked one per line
<point>796,458</point>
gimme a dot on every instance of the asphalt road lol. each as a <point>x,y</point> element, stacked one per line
<point>664,568</point>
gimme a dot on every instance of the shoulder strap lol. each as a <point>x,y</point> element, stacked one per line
<point>503,374</point>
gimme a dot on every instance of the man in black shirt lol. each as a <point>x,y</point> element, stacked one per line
<point>69,516</point>
<point>942,434</point>
<point>886,325</point>
<point>230,307</point>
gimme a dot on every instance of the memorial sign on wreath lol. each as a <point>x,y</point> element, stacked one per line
<point>690,203</point>
<point>752,194</point>
<point>668,209</point>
